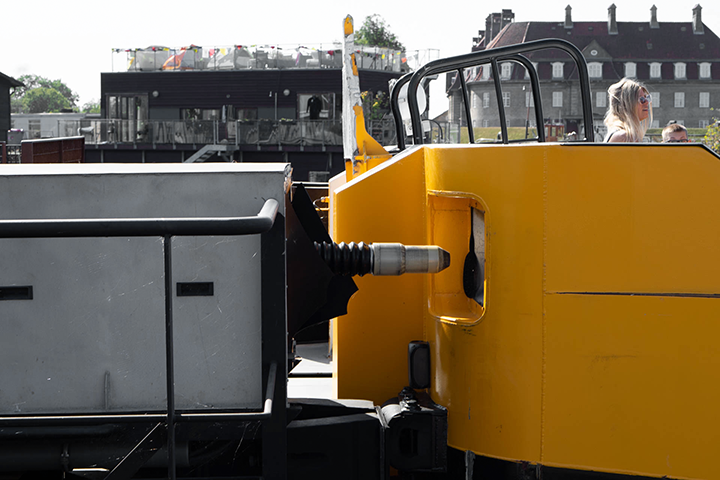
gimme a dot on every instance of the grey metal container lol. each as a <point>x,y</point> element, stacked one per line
<point>92,337</point>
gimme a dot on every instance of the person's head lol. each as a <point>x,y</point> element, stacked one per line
<point>630,108</point>
<point>674,133</point>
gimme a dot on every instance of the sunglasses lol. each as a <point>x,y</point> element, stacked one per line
<point>646,99</point>
<point>684,140</point>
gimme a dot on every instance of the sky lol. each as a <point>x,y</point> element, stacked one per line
<point>73,42</point>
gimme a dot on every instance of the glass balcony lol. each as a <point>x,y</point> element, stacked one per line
<point>246,57</point>
<point>203,132</point>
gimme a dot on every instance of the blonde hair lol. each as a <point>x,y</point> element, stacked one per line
<point>622,103</point>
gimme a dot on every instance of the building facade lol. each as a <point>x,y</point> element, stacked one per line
<point>679,62</point>
<point>6,83</point>
<point>263,104</point>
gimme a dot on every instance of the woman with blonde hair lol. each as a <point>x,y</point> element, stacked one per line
<point>629,112</point>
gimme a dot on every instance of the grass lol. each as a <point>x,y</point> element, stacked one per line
<point>490,133</point>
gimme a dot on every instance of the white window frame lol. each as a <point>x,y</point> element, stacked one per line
<point>679,100</point>
<point>506,70</point>
<point>557,99</point>
<point>506,99</point>
<point>595,70</point>
<point>703,124</point>
<point>486,123</point>
<point>704,100</point>
<point>486,100</point>
<point>705,70</point>
<point>485,72</point>
<point>529,102</point>
<point>680,71</point>
<point>655,70</point>
<point>630,69</point>
<point>655,100</point>
<point>558,69</point>
<point>600,99</point>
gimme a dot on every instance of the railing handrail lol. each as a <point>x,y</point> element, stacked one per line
<point>492,56</point>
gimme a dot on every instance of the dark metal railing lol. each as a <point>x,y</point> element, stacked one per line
<point>494,56</point>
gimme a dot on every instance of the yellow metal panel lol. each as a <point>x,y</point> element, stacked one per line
<point>633,384</point>
<point>370,342</point>
<point>489,374</point>
<point>633,219</point>
<point>574,361</point>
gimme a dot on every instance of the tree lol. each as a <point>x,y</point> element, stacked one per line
<point>34,82</point>
<point>93,106</point>
<point>44,100</point>
<point>376,32</point>
<point>712,136</point>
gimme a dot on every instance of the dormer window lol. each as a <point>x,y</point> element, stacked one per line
<point>630,69</point>
<point>655,70</point>
<point>680,71</point>
<point>485,72</point>
<point>705,70</point>
<point>595,70</point>
<point>557,69</point>
<point>506,71</point>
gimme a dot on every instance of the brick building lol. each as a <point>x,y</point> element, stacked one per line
<point>678,61</point>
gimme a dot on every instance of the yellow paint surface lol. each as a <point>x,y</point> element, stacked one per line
<point>596,347</point>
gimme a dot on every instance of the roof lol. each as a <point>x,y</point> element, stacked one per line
<point>4,79</point>
<point>634,40</point>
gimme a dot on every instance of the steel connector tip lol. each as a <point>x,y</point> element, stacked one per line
<point>397,259</point>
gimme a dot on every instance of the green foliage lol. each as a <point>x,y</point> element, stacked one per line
<point>712,136</point>
<point>34,82</point>
<point>44,100</point>
<point>92,106</point>
<point>375,32</point>
<point>374,106</point>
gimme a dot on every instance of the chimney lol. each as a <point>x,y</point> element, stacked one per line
<point>653,17</point>
<point>698,28</point>
<point>568,17</point>
<point>612,24</point>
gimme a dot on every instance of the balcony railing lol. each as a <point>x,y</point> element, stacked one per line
<point>244,57</point>
<point>203,132</point>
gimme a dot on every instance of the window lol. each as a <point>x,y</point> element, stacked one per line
<point>703,124</point>
<point>485,72</point>
<point>679,100</point>
<point>630,69</point>
<point>557,99</point>
<point>34,129</point>
<point>704,99</point>
<point>557,69</point>
<point>655,124</point>
<point>595,70</point>
<point>679,71</point>
<point>315,106</point>
<point>506,71</point>
<point>655,99</point>
<point>486,100</point>
<point>705,70</point>
<point>529,102</point>
<point>473,100</point>
<point>601,99</point>
<point>506,99</point>
<point>655,70</point>
<point>486,123</point>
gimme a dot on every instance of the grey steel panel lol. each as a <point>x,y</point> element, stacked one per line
<point>92,338</point>
<point>97,316</point>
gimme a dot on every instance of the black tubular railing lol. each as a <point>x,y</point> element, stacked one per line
<point>146,227</point>
<point>493,57</point>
